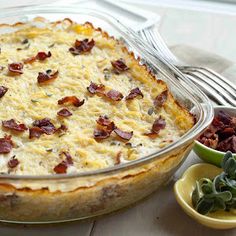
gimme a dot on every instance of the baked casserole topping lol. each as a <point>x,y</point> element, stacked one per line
<point>74,99</point>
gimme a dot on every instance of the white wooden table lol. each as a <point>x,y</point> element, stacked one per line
<point>159,214</point>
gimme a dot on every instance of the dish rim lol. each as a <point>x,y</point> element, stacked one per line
<point>148,52</point>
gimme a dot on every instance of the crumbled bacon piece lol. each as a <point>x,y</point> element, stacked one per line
<point>29,60</point>
<point>41,56</point>
<point>117,158</point>
<point>3,90</point>
<point>62,129</point>
<point>106,127</point>
<point>61,168</point>
<point>12,124</point>
<point>6,144</point>
<point>81,47</point>
<point>123,134</point>
<point>224,117</point>
<point>44,78</point>
<point>13,162</point>
<point>134,93</point>
<point>103,120</point>
<point>45,125</point>
<point>15,68</point>
<point>64,112</point>
<point>228,144</point>
<point>158,125</point>
<point>114,95</point>
<point>221,134</point>
<point>71,100</point>
<point>119,65</point>
<point>35,132</point>
<point>160,99</point>
<point>96,88</point>
<point>101,133</point>
<point>69,159</point>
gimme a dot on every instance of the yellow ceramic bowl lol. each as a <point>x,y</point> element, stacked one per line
<point>183,191</point>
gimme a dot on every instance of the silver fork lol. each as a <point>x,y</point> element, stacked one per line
<point>218,88</point>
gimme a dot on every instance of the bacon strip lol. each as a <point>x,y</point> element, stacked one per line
<point>96,88</point>
<point>114,95</point>
<point>160,99</point>
<point>12,124</point>
<point>61,168</point>
<point>41,56</point>
<point>119,65</point>
<point>81,47</point>
<point>6,144</point>
<point>3,90</point>
<point>13,162</point>
<point>123,134</point>
<point>15,68</point>
<point>71,100</point>
<point>64,113</point>
<point>44,78</point>
<point>134,93</point>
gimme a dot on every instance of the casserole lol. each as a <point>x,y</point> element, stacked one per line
<point>83,194</point>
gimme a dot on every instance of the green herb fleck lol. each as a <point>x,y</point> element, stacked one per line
<point>49,150</point>
<point>107,74</point>
<point>33,100</point>
<point>49,94</point>
<point>150,111</point>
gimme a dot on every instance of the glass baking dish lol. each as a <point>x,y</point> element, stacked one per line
<point>66,197</point>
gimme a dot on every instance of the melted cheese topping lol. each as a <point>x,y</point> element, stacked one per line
<point>26,101</point>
